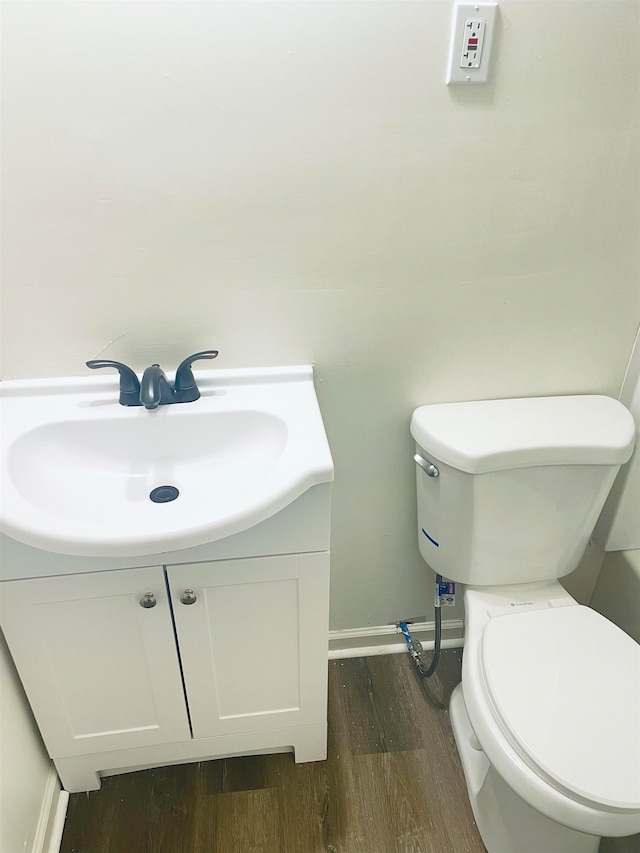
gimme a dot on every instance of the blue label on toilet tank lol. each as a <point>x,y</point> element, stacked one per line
<point>430,538</point>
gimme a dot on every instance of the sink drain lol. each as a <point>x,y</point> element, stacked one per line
<point>163,494</point>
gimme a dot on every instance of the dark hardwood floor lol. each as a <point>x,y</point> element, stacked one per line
<point>392,783</point>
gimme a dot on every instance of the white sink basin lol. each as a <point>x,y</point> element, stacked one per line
<point>77,469</point>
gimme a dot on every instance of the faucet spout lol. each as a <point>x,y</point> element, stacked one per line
<point>155,389</point>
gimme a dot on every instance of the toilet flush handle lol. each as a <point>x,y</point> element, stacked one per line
<point>428,467</point>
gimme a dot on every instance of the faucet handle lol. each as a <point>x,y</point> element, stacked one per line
<point>185,388</point>
<point>129,384</point>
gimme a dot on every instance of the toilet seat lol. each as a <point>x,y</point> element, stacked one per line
<point>551,677</point>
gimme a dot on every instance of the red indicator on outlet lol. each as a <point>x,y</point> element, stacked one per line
<point>473,41</point>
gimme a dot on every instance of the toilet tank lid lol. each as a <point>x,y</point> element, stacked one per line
<point>493,435</point>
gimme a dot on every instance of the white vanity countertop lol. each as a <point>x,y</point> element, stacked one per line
<point>77,468</point>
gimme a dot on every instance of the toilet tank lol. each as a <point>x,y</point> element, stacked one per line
<point>520,483</point>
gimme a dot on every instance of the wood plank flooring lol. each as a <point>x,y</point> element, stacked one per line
<point>392,783</point>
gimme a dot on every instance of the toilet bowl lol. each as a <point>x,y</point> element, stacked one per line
<point>547,718</point>
<point>546,721</point>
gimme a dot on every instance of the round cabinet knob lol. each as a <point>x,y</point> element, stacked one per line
<point>148,600</point>
<point>188,597</point>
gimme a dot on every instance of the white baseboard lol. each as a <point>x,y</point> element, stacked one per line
<point>52,816</point>
<point>388,640</point>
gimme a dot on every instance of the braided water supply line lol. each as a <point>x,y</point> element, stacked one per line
<point>415,646</point>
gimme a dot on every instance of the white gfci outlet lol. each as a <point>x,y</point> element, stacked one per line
<point>470,48</point>
<point>472,43</point>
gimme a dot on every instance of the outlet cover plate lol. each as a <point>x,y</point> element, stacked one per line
<point>465,15</point>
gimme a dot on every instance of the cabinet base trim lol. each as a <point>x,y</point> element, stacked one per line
<point>83,772</point>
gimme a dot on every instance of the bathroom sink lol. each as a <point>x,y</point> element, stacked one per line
<point>84,475</point>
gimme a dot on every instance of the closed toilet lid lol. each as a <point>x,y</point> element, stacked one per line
<point>564,687</point>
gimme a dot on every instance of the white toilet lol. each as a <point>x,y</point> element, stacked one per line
<point>547,718</point>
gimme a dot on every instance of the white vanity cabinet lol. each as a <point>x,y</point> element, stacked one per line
<point>154,632</point>
<point>229,658</point>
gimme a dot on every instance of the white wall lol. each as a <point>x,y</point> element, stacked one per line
<point>617,528</point>
<point>24,765</point>
<point>291,182</point>
<point>617,593</point>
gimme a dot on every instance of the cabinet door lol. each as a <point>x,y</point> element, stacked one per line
<point>101,671</point>
<point>254,643</point>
